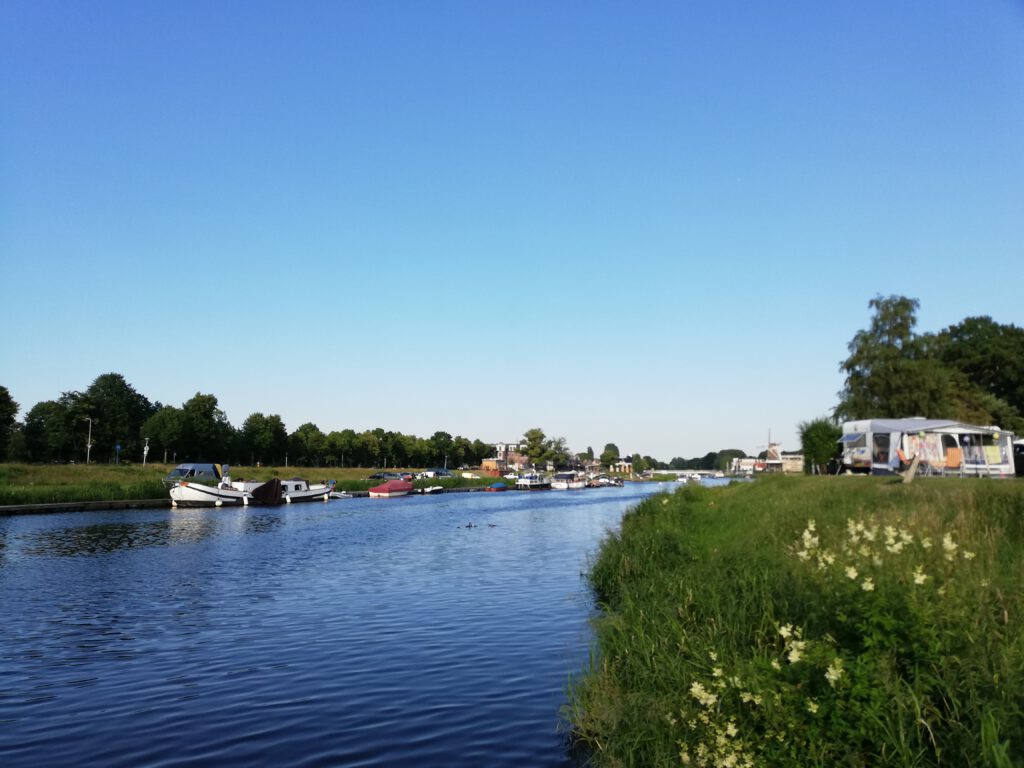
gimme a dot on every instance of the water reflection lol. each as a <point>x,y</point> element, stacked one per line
<point>179,528</point>
<point>337,634</point>
<point>103,538</point>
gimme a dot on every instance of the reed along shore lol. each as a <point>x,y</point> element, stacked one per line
<point>810,621</point>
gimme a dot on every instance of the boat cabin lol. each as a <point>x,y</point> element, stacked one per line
<point>205,474</point>
<point>943,447</point>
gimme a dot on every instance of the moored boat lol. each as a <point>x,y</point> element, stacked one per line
<point>533,482</point>
<point>210,485</point>
<point>391,489</point>
<point>568,481</point>
<point>497,487</point>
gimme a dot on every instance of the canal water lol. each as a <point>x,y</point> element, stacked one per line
<point>427,631</point>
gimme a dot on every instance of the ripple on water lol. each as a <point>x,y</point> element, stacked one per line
<point>348,633</point>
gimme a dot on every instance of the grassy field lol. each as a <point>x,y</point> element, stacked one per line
<point>842,621</point>
<point>48,483</point>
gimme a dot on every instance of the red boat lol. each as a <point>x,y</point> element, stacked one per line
<point>390,489</point>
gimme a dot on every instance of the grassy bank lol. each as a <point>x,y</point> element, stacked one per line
<point>50,483</point>
<point>811,622</point>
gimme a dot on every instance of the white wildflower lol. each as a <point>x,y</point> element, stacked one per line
<point>920,577</point>
<point>926,543</point>
<point>702,695</point>
<point>851,572</point>
<point>812,706</point>
<point>968,555</point>
<point>868,585</point>
<point>834,672</point>
<point>786,630</point>
<point>776,665</point>
<point>796,650</point>
<point>949,546</point>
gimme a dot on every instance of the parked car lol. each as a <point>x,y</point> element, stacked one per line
<point>436,472</point>
<point>385,476</point>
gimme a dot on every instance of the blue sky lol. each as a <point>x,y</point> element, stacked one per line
<point>653,224</point>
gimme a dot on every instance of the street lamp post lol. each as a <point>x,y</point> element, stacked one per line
<point>88,441</point>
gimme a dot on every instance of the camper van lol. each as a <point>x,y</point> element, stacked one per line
<point>942,447</point>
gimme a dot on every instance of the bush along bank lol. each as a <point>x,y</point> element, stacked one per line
<point>810,622</point>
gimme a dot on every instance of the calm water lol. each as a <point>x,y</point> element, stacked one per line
<point>362,632</point>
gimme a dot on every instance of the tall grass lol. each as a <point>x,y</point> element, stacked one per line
<point>53,483</point>
<point>811,622</point>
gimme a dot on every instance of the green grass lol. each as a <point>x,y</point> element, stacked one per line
<point>51,483</point>
<point>734,631</point>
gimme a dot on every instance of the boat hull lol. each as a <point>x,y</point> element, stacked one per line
<point>391,489</point>
<point>198,495</point>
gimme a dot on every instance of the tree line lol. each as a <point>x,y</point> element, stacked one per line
<point>972,371</point>
<point>111,421</point>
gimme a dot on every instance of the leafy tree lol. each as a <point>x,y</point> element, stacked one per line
<point>307,445</point>
<point>368,449</point>
<point>888,373</point>
<point>989,358</point>
<point>164,430</point>
<point>725,458</point>
<point>639,465</point>
<point>819,443</point>
<point>53,431</point>
<point>535,446</point>
<point>8,412</point>
<point>440,449</point>
<point>709,461</point>
<point>118,413</point>
<point>610,454</point>
<point>206,433</point>
<point>263,439</point>
<point>989,354</point>
<point>558,452</point>
<point>343,446</point>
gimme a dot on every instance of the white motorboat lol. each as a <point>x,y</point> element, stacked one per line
<point>533,482</point>
<point>223,494</point>
<point>208,485</point>
<point>568,481</point>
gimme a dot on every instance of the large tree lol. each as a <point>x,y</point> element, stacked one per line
<point>263,439</point>
<point>610,454</point>
<point>56,430</point>
<point>888,373</point>
<point>118,413</point>
<point>971,371</point>
<point>164,430</point>
<point>8,412</point>
<point>206,433</point>
<point>307,446</point>
<point>991,358</point>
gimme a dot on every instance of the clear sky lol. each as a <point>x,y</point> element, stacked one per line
<point>656,224</point>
